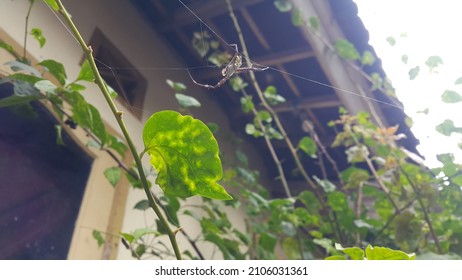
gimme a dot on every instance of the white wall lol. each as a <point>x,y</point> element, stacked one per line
<point>121,23</point>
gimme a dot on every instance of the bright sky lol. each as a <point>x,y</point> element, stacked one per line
<point>432,28</point>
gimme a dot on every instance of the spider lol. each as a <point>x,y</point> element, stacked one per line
<point>233,67</point>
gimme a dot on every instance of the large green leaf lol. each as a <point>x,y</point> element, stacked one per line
<point>354,253</point>
<point>450,96</point>
<point>56,69</point>
<point>185,154</point>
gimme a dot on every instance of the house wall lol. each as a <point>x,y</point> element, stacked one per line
<point>121,23</point>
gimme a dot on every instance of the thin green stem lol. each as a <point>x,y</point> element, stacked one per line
<point>118,115</point>
<point>25,30</point>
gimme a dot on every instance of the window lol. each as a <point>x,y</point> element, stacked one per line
<point>123,77</point>
<point>42,185</point>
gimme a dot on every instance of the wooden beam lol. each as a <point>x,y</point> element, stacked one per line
<point>255,29</point>
<point>203,10</point>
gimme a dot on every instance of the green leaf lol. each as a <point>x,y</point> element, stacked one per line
<point>458,81</point>
<point>326,185</point>
<point>237,83</point>
<point>346,50</point>
<point>297,17</point>
<point>140,232</point>
<point>354,253</point>
<point>116,144</point>
<point>86,115</point>
<point>16,100</point>
<point>8,48</point>
<point>357,153</point>
<point>38,35</point>
<point>433,62</point>
<point>56,69</point>
<point>247,104</point>
<point>19,66</point>
<point>45,86</point>
<point>413,72</point>
<point>291,248</point>
<point>176,86</point>
<point>368,58</point>
<point>264,116</point>
<point>75,87</point>
<point>272,96</point>
<point>391,40</point>
<point>113,175</point>
<point>135,182</point>
<point>142,205</point>
<point>23,77</point>
<point>185,154</point>
<point>52,4</point>
<point>335,258</point>
<point>267,241</point>
<point>201,43</point>
<point>283,6</point>
<point>85,74</point>
<point>187,101</point>
<point>98,237</point>
<point>308,145</point>
<point>450,96</point>
<point>314,23</point>
<point>382,253</point>
<point>405,58</point>
<point>447,127</point>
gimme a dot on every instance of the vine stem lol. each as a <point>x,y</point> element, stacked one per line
<point>118,116</point>
<point>424,210</point>
<point>278,122</point>
<point>26,28</point>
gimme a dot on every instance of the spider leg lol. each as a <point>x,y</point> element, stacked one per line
<point>217,85</point>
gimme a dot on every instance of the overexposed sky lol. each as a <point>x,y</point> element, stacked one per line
<point>431,28</point>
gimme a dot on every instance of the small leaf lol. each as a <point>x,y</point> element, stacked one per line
<point>314,23</point>
<point>201,43</point>
<point>450,96</point>
<point>56,69</point>
<point>19,66</point>
<point>283,6</point>
<point>308,145</point>
<point>247,104</point>
<point>291,248</point>
<point>433,62</point>
<point>116,144</point>
<point>264,116</point>
<point>86,74</point>
<point>98,237</point>
<point>326,185</point>
<point>354,253</point>
<point>15,100</point>
<point>52,4</point>
<point>391,40</point>
<point>185,155</point>
<point>346,50</point>
<point>447,127</point>
<point>357,153</point>
<point>368,58</point>
<point>237,83</point>
<point>187,101</point>
<point>272,97</point>
<point>176,86</point>
<point>458,81</point>
<point>45,86</point>
<point>8,48</point>
<point>414,72</point>
<point>38,35</point>
<point>113,175</point>
<point>267,241</point>
<point>297,17</point>
<point>142,205</point>
<point>405,58</point>
<point>382,253</point>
